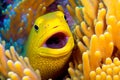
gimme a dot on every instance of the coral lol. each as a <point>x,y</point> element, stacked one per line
<point>112,20</point>
<point>108,71</point>
<point>16,44</point>
<point>96,34</point>
<point>15,67</point>
<point>20,17</point>
<point>75,74</point>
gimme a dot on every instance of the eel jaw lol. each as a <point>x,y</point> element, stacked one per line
<point>56,41</point>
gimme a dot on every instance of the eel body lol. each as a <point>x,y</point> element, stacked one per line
<point>50,44</point>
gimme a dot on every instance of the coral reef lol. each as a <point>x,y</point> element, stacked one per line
<point>96,34</point>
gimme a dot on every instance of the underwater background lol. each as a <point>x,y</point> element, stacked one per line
<point>94,24</point>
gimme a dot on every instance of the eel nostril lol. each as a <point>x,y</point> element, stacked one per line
<point>55,26</point>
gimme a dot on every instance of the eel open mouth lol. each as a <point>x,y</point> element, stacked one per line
<point>57,40</point>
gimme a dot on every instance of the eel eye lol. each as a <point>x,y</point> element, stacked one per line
<point>65,17</point>
<point>36,27</point>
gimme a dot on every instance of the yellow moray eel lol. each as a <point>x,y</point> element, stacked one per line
<point>50,44</point>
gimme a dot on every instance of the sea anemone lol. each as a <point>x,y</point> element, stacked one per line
<point>95,27</point>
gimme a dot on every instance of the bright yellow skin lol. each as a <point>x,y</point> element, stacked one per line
<point>50,61</point>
